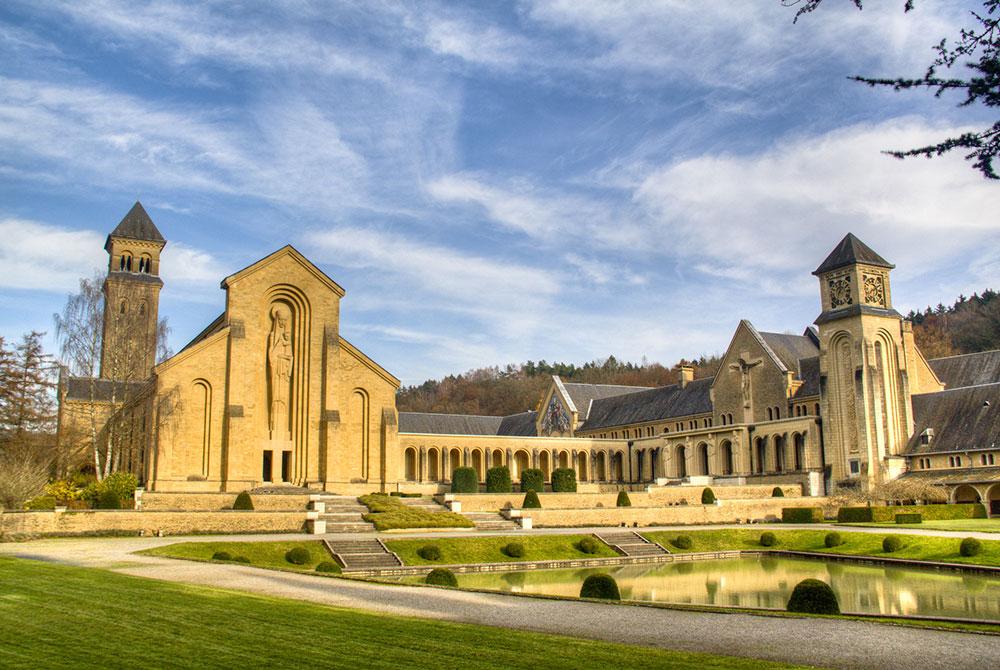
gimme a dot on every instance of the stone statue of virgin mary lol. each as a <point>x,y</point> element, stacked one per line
<point>279,362</point>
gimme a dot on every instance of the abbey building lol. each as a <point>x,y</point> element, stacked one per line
<point>270,393</point>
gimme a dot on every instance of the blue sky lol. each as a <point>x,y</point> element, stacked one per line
<point>490,182</point>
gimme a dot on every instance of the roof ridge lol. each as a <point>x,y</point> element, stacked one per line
<point>957,388</point>
<point>478,416</point>
<point>974,353</point>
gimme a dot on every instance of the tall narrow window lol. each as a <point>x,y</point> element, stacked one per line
<point>286,465</point>
<point>267,465</point>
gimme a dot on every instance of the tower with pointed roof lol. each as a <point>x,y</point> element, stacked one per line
<point>131,297</point>
<point>866,353</point>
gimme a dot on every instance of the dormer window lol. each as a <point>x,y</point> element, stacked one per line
<point>926,436</point>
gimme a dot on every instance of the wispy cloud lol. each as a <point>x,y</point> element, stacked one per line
<point>41,257</point>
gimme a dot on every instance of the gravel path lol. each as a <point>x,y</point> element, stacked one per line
<point>830,643</point>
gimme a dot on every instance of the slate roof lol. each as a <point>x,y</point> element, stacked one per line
<point>849,251</point>
<point>448,424</point>
<point>968,369</point>
<point>978,475</point>
<point>962,418</point>
<point>583,394</point>
<point>519,424</point>
<point>809,374</point>
<point>137,226</point>
<point>665,402</point>
<point>790,349</point>
<point>79,388</point>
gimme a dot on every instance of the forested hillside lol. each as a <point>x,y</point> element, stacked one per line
<point>969,325</point>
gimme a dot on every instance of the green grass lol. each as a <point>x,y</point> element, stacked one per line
<point>389,513</point>
<point>958,525</point>
<point>916,547</point>
<point>487,549</point>
<point>55,616</point>
<point>261,554</point>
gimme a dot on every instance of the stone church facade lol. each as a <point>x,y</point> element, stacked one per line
<point>270,394</point>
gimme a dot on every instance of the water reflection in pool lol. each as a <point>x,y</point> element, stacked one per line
<point>768,582</point>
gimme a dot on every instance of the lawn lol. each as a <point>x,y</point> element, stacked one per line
<point>917,547</point>
<point>389,513</point>
<point>55,616</point>
<point>488,549</point>
<point>959,525</point>
<point>261,554</point>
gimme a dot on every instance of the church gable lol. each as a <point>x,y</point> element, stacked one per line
<point>286,258</point>
<point>751,381</point>
<point>556,413</point>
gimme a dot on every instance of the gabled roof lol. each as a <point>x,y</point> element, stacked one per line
<point>790,349</point>
<point>963,418</point>
<point>809,374</point>
<point>448,424</point>
<point>136,226</point>
<point>665,402</point>
<point>285,251</point>
<point>849,251</point>
<point>968,369</point>
<point>522,424</point>
<point>583,394</point>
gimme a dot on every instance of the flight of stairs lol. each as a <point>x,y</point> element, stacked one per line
<point>425,503</point>
<point>362,554</point>
<point>630,543</point>
<point>342,514</point>
<point>490,521</point>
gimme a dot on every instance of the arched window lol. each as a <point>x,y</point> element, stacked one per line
<point>122,307</point>
<point>125,262</point>
<point>145,264</point>
<point>142,308</point>
<point>770,414</point>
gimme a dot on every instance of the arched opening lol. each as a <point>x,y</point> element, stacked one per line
<point>125,262</point>
<point>993,500</point>
<point>727,458</point>
<point>800,451</point>
<point>966,494</point>
<point>454,462</point>
<point>761,454</point>
<point>564,459</point>
<point>617,467</point>
<point>779,453</point>
<point>543,465</point>
<point>477,464</point>
<point>203,411</point>
<point>410,465</point>
<point>770,414</point>
<point>145,264</point>
<point>521,463</point>
<point>581,466</point>
<point>600,467</point>
<point>703,458</point>
<point>680,462</point>
<point>433,466</point>
<point>497,460</point>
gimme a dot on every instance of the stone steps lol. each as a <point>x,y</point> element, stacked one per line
<point>630,543</point>
<point>490,521</point>
<point>338,514</point>
<point>362,554</point>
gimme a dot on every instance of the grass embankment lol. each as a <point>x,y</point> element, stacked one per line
<point>489,549</point>
<point>260,554</point>
<point>957,525</point>
<point>55,616</point>
<point>915,547</point>
<point>389,513</point>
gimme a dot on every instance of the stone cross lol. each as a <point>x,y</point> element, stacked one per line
<point>744,365</point>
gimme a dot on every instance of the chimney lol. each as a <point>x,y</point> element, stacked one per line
<point>687,375</point>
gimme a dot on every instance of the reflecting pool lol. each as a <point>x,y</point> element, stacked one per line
<point>768,582</point>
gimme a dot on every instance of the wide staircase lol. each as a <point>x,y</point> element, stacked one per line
<point>425,503</point>
<point>630,543</point>
<point>490,521</point>
<point>342,514</point>
<point>362,554</point>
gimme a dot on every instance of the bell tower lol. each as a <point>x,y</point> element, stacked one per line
<point>865,346</point>
<point>131,297</point>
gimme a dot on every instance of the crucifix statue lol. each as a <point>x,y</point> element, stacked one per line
<point>744,365</point>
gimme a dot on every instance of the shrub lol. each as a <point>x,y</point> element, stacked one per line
<point>441,577</point>
<point>682,542</point>
<point>708,497</point>
<point>63,490</point>
<point>587,545</point>
<point>970,547</point>
<point>108,499</point>
<point>768,539</point>
<point>564,480</point>
<point>833,540</point>
<point>532,479</point>
<point>892,543</point>
<point>600,586</point>
<point>909,518</point>
<point>122,483</point>
<point>513,549</point>
<point>41,503</point>
<point>429,552</point>
<point>465,480</point>
<point>241,559</point>
<point>297,556</point>
<point>531,500</point>
<point>802,514</point>
<point>498,480</point>
<point>222,556</point>
<point>777,492</point>
<point>813,597</point>
<point>243,502</point>
<point>388,513</point>
<point>623,499</point>
<point>327,566</point>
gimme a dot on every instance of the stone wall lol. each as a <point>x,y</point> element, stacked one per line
<point>14,525</point>
<point>211,502</point>
<point>729,511</point>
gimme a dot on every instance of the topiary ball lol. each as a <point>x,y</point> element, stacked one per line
<point>708,497</point>
<point>243,502</point>
<point>327,566</point>
<point>222,556</point>
<point>513,549</point>
<point>970,547</point>
<point>813,596</point>
<point>892,543</point>
<point>776,492</point>
<point>429,552</point>
<point>623,499</point>
<point>531,500</point>
<point>833,540</point>
<point>241,559</point>
<point>600,586</point>
<point>297,556</point>
<point>441,577</point>
<point>768,539</point>
<point>682,542</point>
<point>587,545</point>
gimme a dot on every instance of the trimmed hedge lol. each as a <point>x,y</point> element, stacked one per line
<point>833,540</point>
<point>892,543</point>
<point>887,514</point>
<point>909,518</point>
<point>532,479</point>
<point>498,480</point>
<point>802,514</point>
<point>813,596</point>
<point>441,577</point>
<point>298,556</point>
<point>564,480</point>
<point>708,497</point>
<point>531,500</point>
<point>600,586</point>
<point>429,552</point>
<point>327,566</point>
<point>776,492</point>
<point>970,547</point>
<point>241,559</point>
<point>623,499</point>
<point>682,542</point>
<point>389,512</point>
<point>243,502</point>
<point>768,539</point>
<point>222,556</point>
<point>465,480</point>
<point>513,549</point>
<point>587,545</point>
